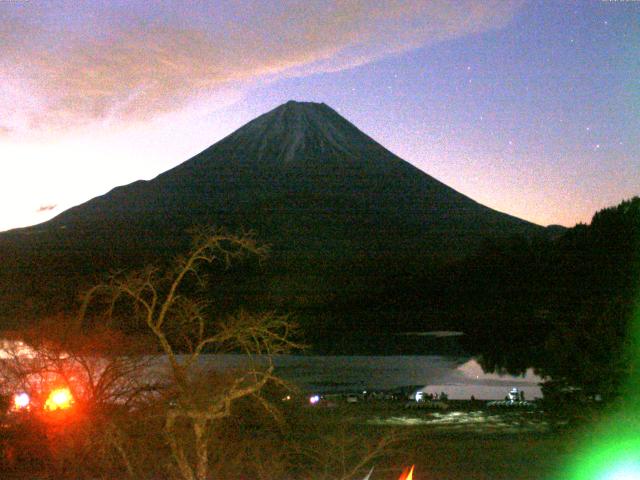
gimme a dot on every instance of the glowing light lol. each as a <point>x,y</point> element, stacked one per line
<point>21,401</point>
<point>59,399</point>
<point>623,471</point>
<point>407,474</point>
<point>611,450</point>
<point>616,455</point>
<point>314,399</point>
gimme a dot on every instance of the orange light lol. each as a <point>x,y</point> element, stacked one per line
<point>407,474</point>
<point>59,399</point>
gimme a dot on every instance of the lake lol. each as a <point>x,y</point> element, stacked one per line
<point>458,377</point>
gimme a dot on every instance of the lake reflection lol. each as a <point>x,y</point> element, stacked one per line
<point>458,377</point>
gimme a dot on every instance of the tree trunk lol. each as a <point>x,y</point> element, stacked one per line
<point>178,453</point>
<point>202,448</point>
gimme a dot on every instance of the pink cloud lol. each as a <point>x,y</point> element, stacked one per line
<point>46,208</point>
<point>135,69</point>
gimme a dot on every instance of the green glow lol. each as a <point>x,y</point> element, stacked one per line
<point>624,471</point>
<point>611,450</point>
<point>615,457</point>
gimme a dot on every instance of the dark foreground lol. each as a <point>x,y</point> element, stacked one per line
<point>455,444</point>
<point>459,443</point>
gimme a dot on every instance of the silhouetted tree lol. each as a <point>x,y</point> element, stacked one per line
<point>563,307</point>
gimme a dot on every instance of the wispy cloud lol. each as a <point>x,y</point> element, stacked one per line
<point>66,68</point>
<point>46,208</point>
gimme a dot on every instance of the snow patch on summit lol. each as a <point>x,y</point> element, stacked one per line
<point>295,126</point>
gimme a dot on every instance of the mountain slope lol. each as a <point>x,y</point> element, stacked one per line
<point>325,196</point>
<point>300,170</point>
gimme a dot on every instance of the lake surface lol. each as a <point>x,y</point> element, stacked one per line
<point>458,377</point>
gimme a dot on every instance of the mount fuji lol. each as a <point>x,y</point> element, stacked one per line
<point>343,215</point>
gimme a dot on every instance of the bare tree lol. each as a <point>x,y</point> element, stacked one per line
<point>145,418</point>
<point>179,320</point>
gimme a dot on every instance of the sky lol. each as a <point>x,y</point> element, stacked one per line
<point>529,107</point>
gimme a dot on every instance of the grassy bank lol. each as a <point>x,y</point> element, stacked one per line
<point>479,445</point>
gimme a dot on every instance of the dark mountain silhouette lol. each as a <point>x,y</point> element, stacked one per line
<point>344,216</point>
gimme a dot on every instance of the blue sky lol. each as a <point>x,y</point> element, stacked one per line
<point>531,108</point>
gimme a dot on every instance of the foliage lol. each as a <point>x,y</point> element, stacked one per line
<point>563,306</point>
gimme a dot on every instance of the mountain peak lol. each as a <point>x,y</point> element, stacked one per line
<point>295,127</point>
<point>298,104</point>
<point>302,112</point>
